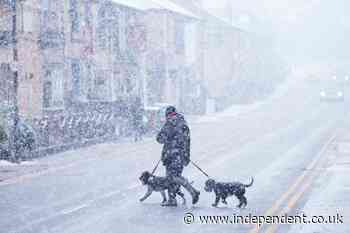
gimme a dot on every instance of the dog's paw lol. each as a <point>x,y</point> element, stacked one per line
<point>141,199</point>
<point>214,205</point>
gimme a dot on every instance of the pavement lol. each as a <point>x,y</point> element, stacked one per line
<point>9,170</point>
<point>291,145</point>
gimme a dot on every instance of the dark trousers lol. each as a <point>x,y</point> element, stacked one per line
<point>174,173</point>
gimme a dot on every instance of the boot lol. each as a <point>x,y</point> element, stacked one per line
<point>195,196</point>
<point>194,193</point>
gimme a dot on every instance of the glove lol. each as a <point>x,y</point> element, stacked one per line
<point>186,160</point>
<point>165,161</point>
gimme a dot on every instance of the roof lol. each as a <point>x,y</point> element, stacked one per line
<point>144,5</point>
<point>138,4</point>
<point>171,6</point>
<point>204,14</point>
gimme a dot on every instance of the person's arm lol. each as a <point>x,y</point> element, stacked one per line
<point>187,145</point>
<point>162,136</point>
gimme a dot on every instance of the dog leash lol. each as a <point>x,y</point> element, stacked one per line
<point>155,168</point>
<point>194,164</point>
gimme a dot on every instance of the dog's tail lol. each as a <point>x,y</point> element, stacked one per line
<point>250,184</point>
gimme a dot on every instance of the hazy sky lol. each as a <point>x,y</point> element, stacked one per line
<point>313,28</point>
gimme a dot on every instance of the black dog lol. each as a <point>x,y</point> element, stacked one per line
<point>158,184</point>
<point>224,190</point>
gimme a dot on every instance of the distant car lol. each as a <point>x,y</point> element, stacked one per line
<point>332,90</point>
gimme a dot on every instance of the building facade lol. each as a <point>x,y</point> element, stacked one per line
<point>82,62</point>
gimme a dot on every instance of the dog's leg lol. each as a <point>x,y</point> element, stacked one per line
<point>223,200</point>
<point>242,201</point>
<point>147,194</point>
<point>164,196</point>
<point>217,199</point>
<point>182,196</point>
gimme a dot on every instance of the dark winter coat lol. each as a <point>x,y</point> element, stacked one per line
<point>175,137</point>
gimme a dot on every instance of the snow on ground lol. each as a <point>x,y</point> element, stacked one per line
<point>238,109</point>
<point>5,163</point>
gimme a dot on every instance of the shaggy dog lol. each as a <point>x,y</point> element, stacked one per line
<point>158,184</point>
<point>224,190</point>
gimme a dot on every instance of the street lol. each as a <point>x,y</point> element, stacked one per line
<point>286,144</point>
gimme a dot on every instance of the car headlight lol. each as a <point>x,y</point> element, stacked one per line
<point>340,94</point>
<point>322,93</point>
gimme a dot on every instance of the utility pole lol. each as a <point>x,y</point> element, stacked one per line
<point>15,117</point>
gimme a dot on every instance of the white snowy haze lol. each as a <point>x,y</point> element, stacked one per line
<point>314,29</point>
<point>103,102</point>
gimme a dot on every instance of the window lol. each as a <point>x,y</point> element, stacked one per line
<point>179,37</point>
<point>25,96</point>
<point>108,28</point>
<point>57,85</point>
<point>191,42</point>
<point>76,76</point>
<point>135,32</point>
<point>51,12</point>
<point>28,19</point>
<point>88,14</point>
<point>53,88</point>
<point>74,16</point>
<point>5,83</point>
<point>47,90</point>
<point>102,85</point>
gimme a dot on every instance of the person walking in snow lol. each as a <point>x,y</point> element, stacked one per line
<point>137,116</point>
<point>175,137</point>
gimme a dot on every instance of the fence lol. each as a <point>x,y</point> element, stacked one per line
<point>80,125</point>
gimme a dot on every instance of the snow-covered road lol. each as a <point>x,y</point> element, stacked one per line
<point>96,189</point>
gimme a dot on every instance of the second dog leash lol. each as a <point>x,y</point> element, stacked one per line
<point>194,164</point>
<point>155,168</point>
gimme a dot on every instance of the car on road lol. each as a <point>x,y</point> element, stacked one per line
<point>332,90</point>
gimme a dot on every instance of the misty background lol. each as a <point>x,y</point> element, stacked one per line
<point>302,30</point>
